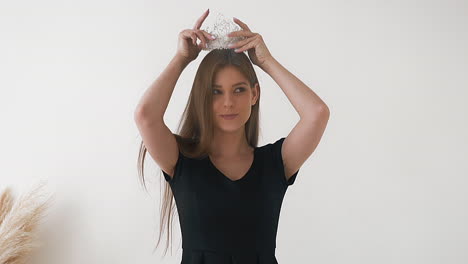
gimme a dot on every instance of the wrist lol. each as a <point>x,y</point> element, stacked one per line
<point>181,60</point>
<point>268,63</point>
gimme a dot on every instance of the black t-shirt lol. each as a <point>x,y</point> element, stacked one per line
<point>224,221</point>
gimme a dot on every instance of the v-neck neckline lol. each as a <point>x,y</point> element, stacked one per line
<point>240,179</point>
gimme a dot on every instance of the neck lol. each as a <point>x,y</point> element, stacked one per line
<point>229,145</point>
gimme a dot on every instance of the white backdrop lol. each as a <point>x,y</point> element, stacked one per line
<point>387,184</point>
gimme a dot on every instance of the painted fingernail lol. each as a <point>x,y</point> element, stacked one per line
<point>230,45</point>
<point>212,37</point>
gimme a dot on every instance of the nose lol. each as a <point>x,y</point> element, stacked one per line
<point>228,100</point>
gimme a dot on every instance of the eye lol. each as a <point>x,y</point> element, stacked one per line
<point>240,88</point>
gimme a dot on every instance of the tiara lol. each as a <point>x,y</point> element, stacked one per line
<point>220,28</point>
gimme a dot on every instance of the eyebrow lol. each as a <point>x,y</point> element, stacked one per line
<point>216,85</point>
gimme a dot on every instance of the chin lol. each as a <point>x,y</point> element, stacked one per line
<point>233,127</point>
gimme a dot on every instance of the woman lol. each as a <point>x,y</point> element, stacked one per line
<point>228,191</point>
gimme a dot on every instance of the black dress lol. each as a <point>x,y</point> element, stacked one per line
<point>224,221</point>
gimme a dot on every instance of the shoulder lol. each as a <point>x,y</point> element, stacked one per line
<point>272,149</point>
<point>273,145</point>
<point>272,156</point>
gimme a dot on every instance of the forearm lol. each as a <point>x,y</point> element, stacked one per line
<point>154,101</point>
<point>303,99</point>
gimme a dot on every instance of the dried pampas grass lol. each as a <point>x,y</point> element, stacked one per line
<point>19,222</point>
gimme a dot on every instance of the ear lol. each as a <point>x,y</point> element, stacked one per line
<point>255,94</point>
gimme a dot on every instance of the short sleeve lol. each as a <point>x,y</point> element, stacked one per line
<point>177,170</point>
<point>278,159</point>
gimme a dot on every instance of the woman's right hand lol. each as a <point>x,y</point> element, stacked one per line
<point>187,47</point>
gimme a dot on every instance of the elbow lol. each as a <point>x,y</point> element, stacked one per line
<point>325,113</point>
<point>138,114</point>
<point>318,113</point>
<point>324,110</point>
<point>141,116</point>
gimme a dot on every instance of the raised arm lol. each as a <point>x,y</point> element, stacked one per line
<point>155,100</point>
<point>149,113</point>
<point>149,117</point>
<point>314,114</point>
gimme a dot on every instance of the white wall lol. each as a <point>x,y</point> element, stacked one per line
<point>387,183</point>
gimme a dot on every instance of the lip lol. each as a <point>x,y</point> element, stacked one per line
<point>229,117</point>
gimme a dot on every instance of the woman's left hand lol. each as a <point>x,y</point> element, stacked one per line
<point>258,52</point>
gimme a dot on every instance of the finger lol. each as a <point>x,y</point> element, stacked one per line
<point>241,24</point>
<point>241,33</point>
<point>201,37</point>
<point>249,45</point>
<point>187,34</point>
<point>201,19</point>
<point>207,35</point>
<point>194,38</point>
<point>240,43</point>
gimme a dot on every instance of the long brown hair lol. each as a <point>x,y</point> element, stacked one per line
<point>195,129</point>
